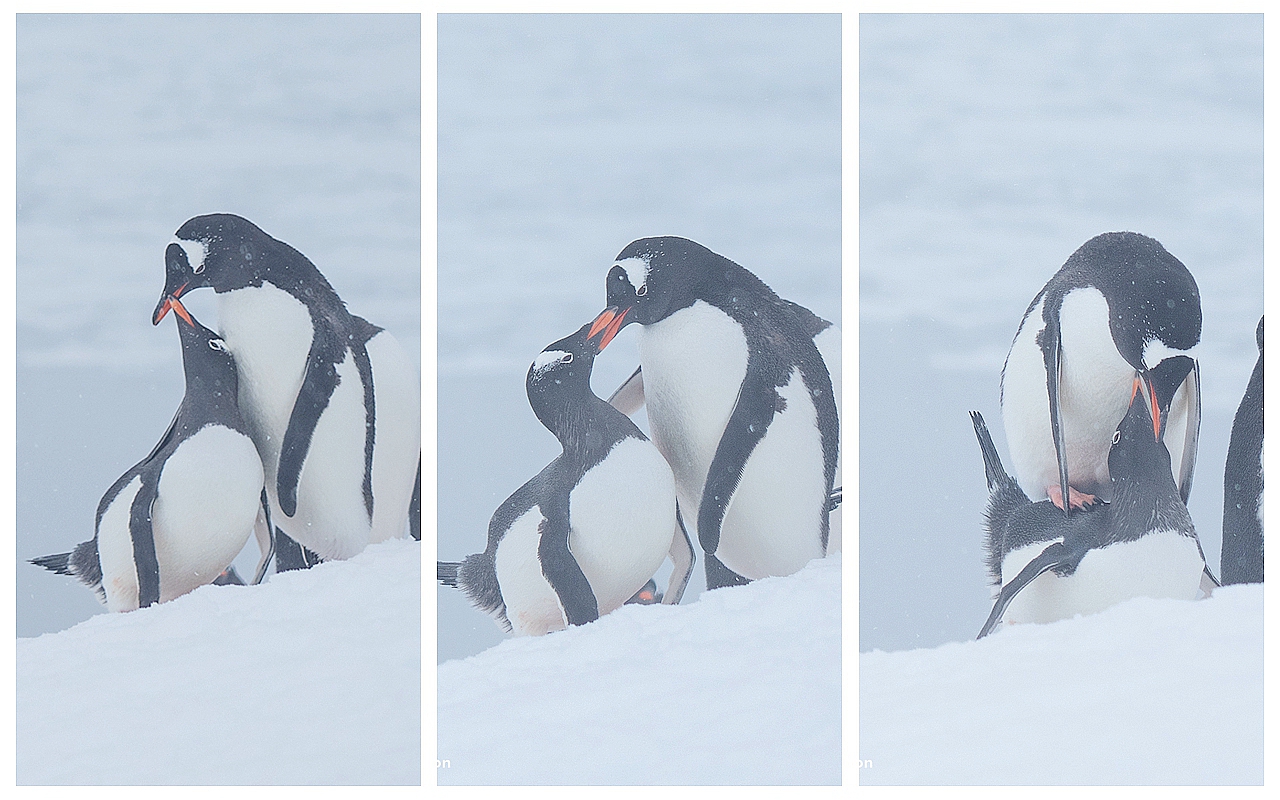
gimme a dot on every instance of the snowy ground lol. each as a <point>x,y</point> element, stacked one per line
<point>562,138</point>
<point>740,687</point>
<point>1148,692</point>
<point>311,678</point>
<point>992,146</point>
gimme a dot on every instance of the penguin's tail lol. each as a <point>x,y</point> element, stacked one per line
<point>447,572</point>
<point>59,563</point>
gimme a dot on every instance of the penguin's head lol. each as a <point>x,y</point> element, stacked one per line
<point>653,278</point>
<point>227,252</point>
<point>563,369</point>
<point>207,362</point>
<point>1136,454</point>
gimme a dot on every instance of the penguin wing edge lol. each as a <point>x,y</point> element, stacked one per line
<point>318,383</point>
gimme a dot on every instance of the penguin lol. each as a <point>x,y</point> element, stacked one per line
<point>1120,306</point>
<point>584,535</point>
<point>1242,501</point>
<point>175,520</point>
<point>1140,544</point>
<point>740,402</point>
<point>330,399</point>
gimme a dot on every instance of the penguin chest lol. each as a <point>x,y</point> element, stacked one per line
<point>694,362</point>
<point>1094,392</point>
<point>622,516</point>
<point>206,504</point>
<point>532,606</point>
<point>269,332</point>
<point>773,523</point>
<point>1162,564</point>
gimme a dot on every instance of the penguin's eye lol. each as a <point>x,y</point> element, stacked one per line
<point>1115,439</point>
<point>566,358</point>
<point>643,290</point>
<point>216,344</point>
<point>198,268</point>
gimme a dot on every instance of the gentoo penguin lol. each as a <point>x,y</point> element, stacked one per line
<point>1140,544</point>
<point>176,519</point>
<point>584,534</point>
<point>1120,306</point>
<point>330,400</point>
<point>1242,503</point>
<point>740,402</point>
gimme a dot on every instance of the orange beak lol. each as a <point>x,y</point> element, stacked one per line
<point>610,322</point>
<point>178,308</point>
<point>1150,395</point>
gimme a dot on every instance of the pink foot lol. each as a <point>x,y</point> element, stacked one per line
<point>1078,499</point>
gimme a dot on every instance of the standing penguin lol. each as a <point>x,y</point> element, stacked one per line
<point>179,517</point>
<point>1120,306</point>
<point>1141,544</point>
<point>740,403</point>
<point>330,400</point>
<point>1242,501</point>
<point>585,534</point>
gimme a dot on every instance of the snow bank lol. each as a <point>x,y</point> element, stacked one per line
<point>741,687</point>
<point>1147,692</point>
<point>311,678</point>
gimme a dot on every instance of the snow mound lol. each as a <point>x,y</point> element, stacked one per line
<point>314,677</point>
<point>741,687</point>
<point>1147,692</point>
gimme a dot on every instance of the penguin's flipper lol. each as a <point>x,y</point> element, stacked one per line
<point>415,506</point>
<point>318,383</point>
<point>1186,471</point>
<point>1051,344</point>
<point>561,569</point>
<point>757,403</point>
<point>682,559</point>
<point>1054,555</point>
<point>144,543</point>
<point>266,542</point>
<point>629,397</point>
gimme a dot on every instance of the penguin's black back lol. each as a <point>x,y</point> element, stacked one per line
<point>1242,552</point>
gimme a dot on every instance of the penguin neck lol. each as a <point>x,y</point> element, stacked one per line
<point>1146,503</point>
<point>582,423</point>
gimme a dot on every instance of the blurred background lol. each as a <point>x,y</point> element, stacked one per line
<point>562,138</point>
<point>991,147</point>
<point>127,126</point>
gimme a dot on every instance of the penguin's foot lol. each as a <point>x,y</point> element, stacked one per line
<point>1078,499</point>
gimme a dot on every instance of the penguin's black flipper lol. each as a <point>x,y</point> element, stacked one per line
<point>629,397</point>
<point>1051,345</point>
<point>318,383</point>
<point>144,543</point>
<point>415,506</point>
<point>1053,556</point>
<point>560,567</point>
<point>757,402</point>
<point>1191,444</point>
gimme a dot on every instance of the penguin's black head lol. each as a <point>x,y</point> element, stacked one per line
<point>227,252</point>
<point>209,366</point>
<point>653,278</point>
<point>1137,458</point>
<point>562,370</point>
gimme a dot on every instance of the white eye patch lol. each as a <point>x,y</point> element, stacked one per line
<point>637,270</point>
<point>196,253</point>
<point>1154,351</point>
<point>548,359</point>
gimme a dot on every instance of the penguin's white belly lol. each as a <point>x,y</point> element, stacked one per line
<point>622,516</point>
<point>269,333</point>
<point>205,509</point>
<point>1163,564</point>
<point>115,551</point>
<point>332,519</point>
<point>397,441</point>
<point>828,343</point>
<point>693,362</point>
<point>533,608</point>
<point>773,523</point>
<point>1094,394</point>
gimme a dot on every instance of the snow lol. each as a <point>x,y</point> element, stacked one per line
<point>313,677</point>
<point>740,687</point>
<point>1147,692</point>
